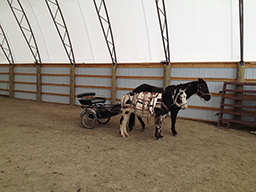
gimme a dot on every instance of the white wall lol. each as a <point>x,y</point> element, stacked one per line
<point>199,30</point>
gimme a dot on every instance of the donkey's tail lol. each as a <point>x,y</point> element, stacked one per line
<point>131,121</point>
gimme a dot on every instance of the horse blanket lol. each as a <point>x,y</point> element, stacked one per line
<point>143,103</point>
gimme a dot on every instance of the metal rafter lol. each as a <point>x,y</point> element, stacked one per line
<point>61,27</point>
<point>161,12</point>
<point>5,46</point>
<point>102,13</point>
<point>25,28</point>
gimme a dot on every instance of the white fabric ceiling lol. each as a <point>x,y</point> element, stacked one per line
<point>199,30</point>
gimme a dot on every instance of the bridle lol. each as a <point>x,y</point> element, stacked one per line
<point>201,92</point>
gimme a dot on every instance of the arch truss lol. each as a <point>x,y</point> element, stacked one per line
<point>161,12</point>
<point>102,13</point>
<point>5,46</point>
<point>25,28</point>
<point>61,27</point>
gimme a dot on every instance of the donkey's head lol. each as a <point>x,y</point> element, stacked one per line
<point>180,98</point>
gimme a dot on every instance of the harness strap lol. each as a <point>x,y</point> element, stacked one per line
<point>148,115</point>
<point>143,103</point>
<point>165,106</point>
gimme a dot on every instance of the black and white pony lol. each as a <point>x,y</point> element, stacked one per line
<point>151,104</point>
<point>195,87</point>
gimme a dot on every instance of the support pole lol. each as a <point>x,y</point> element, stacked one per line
<point>240,67</point>
<point>72,85</point>
<point>38,82</point>
<point>104,20</point>
<point>162,17</point>
<point>167,74</point>
<point>11,95</point>
<point>113,84</point>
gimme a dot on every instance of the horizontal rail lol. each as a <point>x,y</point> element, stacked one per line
<point>248,64</point>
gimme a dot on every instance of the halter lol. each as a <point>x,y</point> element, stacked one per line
<point>199,91</point>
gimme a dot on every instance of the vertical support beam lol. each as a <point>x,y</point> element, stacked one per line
<point>167,74</point>
<point>11,79</point>
<point>113,84</point>
<point>25,27</point>
<point>161,12</point>
<point>38,83</point>
<point>72,84</point>
<point>8,54</point>
<point>240,67</point>
<point>61,27</point>
<point>102,13</point>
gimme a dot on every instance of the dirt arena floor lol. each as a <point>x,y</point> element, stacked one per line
<point>44,148</point>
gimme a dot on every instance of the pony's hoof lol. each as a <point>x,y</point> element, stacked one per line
<point>143,129</point>
<point>159,136</point>
<point>174,133</point>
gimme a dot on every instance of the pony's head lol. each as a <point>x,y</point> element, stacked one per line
<point>180,98</point>
<point>202,90</point>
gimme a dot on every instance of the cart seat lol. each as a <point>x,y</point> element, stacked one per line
<point>91,101</point>
<point>80,95</point>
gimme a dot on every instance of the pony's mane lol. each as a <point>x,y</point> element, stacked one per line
<point>184,85</point>
<point>181,86</point>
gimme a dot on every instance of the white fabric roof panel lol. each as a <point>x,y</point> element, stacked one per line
<point>199,30</point>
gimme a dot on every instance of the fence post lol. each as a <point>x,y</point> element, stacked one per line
<point>72,84</point>
<point>113,84</point>
<point>240,67</point>
<point>240,79</point>
<point>11,66</point>
<point>167,73</point>
<point>38,82</point>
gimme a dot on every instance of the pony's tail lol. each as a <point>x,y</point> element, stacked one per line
<point>131,121</point>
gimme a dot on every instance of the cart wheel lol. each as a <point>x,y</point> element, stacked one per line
<point>98,109</point>
<point>88,118</point>
<point>103,121</point>
<point>83,111</point>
